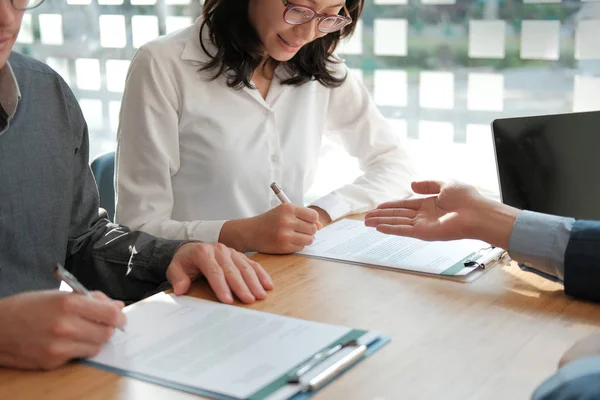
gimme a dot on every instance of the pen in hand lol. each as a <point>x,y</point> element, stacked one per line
<point>279,193</point>
<point>284,199</point>
<point>61,273</point>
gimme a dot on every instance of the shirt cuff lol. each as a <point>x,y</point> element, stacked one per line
<point>540,240</point>
<point>569,373</point>
<point>334,204</point>
<point>208,231</point>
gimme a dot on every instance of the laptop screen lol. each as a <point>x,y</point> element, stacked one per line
<point>550,164</point>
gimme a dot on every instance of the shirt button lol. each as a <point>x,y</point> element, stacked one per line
<point>274,158</point>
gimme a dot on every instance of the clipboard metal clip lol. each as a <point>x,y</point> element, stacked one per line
<point>302,376</point>
<point>481,261</point>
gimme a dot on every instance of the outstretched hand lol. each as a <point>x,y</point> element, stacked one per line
<point>443,216</point>
<point>452,211</point>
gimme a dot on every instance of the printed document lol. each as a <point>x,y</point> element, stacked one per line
<point>351,241</point>
<point>214,347</point>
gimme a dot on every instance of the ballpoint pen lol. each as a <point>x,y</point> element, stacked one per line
<point>64,275</point>
<point>279,193</point>
<point>318,381</point>
<point>319,357</point>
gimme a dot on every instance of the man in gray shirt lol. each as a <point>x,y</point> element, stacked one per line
<point>49,213</point>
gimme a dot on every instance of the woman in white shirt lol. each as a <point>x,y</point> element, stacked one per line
<point>214,113</point>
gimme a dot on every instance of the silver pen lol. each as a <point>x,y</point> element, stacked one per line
<point>67,277</point>
<point>279,193</point>
<point>318,381</point>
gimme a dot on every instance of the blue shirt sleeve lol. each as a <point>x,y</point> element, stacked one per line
<point>579,379</point>
<point>539,241</point>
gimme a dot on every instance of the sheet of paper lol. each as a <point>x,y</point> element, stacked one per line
<point>212,346</point>
<point>351,241</point>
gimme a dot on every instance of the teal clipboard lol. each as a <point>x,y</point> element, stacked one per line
<point>372,342</point>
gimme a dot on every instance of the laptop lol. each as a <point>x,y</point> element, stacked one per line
<point>550,163</point>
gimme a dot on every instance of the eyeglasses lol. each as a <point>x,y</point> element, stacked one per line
<point>23,5</point>
<point>297,15</point>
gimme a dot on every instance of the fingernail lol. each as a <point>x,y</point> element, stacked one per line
<point>122,322</point>
<point>228,298</point>
<point>119,303</point>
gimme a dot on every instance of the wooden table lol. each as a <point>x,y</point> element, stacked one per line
<point>496,338</point>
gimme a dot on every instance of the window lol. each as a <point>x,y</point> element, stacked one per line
<point>440,70</point>
<point>90,44</point>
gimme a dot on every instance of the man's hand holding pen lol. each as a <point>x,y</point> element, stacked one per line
<point>46,329</point>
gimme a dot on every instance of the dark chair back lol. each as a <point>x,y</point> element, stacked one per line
<point>103,168</point>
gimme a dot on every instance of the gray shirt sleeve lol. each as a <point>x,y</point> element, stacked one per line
<point>576,380</point>
<point>126,265</point>
<point>539,241</point>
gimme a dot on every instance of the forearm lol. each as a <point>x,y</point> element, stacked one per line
<point>202,231</point>
<point>324,217</point>
<point>536,240</point>
<point>539,241</point>
<point>108,257</point>
<point>238,234</point>
<point>149,207</point>
<point>123,264</point>
<point>382,181</point>
<point>492,222</point>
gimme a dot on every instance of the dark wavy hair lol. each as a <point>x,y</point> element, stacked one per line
<point>239,50</point>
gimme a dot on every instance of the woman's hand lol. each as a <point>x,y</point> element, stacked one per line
<point>285,229</point>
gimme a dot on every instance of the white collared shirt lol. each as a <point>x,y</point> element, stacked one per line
<point>193,153</point>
